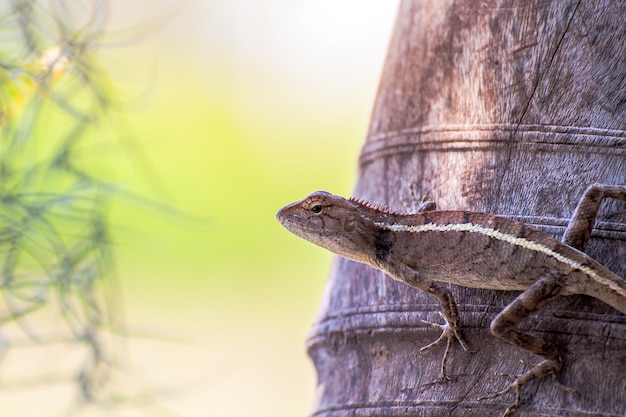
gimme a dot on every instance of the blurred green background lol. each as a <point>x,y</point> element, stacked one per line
<point>236,108</point>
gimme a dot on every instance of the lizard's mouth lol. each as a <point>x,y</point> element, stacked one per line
<point>292,221</point>
<point>288,219</point>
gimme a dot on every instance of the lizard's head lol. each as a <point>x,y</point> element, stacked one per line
<point>331,222</point>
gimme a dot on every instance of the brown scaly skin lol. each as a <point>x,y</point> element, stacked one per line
<point>469,249</point>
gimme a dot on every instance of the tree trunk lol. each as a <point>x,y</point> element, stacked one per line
<point>506,107</point>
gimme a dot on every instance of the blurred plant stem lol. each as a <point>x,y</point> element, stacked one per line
<point>56,255</point>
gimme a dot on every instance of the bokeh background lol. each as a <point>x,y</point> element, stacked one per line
<point>235,108</point>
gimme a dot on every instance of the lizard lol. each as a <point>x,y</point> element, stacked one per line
<point>428,248</point>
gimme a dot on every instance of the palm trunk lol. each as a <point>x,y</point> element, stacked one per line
<point>509,107</point>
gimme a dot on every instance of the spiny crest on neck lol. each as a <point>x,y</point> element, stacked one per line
<point>371,205</point>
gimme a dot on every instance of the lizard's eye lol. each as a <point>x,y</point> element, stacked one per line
<point>317,208</point>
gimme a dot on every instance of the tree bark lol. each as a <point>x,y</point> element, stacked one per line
<point>506,107</point>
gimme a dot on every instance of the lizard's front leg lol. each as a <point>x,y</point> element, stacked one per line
<point>451,330</point>
<point>531,300</point>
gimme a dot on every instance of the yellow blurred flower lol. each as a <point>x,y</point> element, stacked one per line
<point>53,61</point>
<point>19,83</point>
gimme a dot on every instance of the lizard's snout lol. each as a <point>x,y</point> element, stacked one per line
<point>289,212</point>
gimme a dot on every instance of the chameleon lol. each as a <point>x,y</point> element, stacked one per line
<point>428,248</point>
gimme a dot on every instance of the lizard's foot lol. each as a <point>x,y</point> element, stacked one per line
<point>546,367</point>
<point>449,333</point>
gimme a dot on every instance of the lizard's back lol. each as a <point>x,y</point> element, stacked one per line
<point>485,251</point>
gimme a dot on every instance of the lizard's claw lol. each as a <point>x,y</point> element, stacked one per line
<point>449,333</point>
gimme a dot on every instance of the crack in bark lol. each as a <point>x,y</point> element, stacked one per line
<point>533,92</point>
